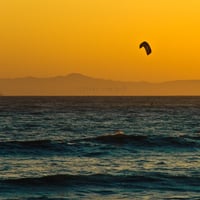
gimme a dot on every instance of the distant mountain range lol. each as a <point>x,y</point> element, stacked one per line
<point>81,85</point>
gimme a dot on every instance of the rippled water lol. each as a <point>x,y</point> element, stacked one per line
<point>68,148</point>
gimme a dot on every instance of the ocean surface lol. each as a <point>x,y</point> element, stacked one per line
<point>99,148</point>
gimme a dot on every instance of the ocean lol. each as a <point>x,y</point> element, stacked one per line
<point>99,148</point>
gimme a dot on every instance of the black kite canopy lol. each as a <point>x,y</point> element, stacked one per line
<point>146,46</point>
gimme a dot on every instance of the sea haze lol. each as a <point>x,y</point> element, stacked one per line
<point>70,148</point>
<point>81,85</point>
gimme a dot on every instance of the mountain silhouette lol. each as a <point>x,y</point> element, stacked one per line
<point>76,84</point>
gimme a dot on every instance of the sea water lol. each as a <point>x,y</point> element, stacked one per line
<point>99,148</point>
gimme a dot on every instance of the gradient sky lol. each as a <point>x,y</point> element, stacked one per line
<point>100,38</point>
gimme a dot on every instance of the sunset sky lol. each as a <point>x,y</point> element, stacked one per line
<point>100,38</point>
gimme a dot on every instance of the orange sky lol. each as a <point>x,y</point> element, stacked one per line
<point>100,38</point>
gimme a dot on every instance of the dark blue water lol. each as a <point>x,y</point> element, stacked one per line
<point>68,148</point>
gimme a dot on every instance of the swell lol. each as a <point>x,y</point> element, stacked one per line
<point>149,140</point>
<point>146,179</point>
<point>35,145</point>
<point>182,141</point>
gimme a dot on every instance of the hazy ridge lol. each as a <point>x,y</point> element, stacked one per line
<point>81,85</point>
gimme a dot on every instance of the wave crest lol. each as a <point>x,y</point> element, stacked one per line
<point>146,179</point>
